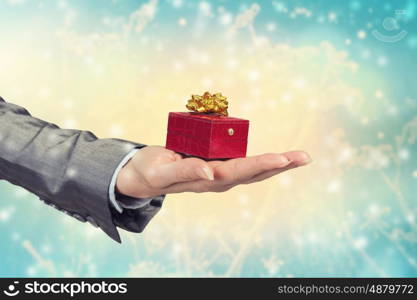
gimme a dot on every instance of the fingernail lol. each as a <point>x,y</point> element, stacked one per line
<point>307,159</point>
<point>206,173</point>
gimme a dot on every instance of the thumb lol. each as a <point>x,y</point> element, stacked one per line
<point>188,169</point>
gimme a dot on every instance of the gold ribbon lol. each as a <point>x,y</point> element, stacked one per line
<point>208,103</point>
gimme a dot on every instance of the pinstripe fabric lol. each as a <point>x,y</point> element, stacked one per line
<point>68,169</point>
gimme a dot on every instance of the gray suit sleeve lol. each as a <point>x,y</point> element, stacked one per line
<point>68,169</point>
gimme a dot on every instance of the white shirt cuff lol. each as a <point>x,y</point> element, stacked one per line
<point>112,194</point>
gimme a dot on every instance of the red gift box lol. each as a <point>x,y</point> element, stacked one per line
<point>209,136</point>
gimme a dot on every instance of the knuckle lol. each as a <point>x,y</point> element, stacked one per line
<point>203,187</point>
<point>150,178</point>
<point>184,174</point>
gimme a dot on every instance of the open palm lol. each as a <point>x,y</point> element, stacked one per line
<point>154,170</point>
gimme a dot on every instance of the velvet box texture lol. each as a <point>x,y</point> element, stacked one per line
<point>209,136</point>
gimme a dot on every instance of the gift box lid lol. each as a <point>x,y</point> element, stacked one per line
<point>211,118</point>
<point>207,126</point>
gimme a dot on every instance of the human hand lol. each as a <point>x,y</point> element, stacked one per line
<point>155,170</point>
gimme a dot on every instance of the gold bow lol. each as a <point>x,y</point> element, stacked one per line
<point>208,103</point>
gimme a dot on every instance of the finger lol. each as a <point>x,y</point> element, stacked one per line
<point>203,185</point>
<point>219,186</point>
<point>188,169</point>
<point>269,174</point>
<point>242,169</point>
<point>298,158</point>
<point>198,185</point>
